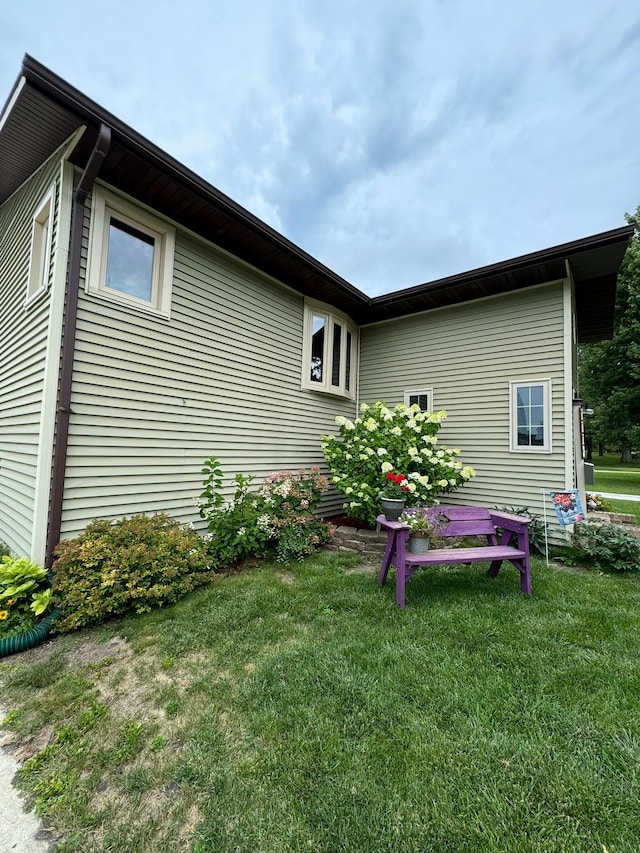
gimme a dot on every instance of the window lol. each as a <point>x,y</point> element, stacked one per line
<point>40,261</point>
<point>531,416</point>
<point>329,351</point>
<point>423,398</point>
<point>131,254</point>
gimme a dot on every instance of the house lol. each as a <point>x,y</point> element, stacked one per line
<point>149,321</point>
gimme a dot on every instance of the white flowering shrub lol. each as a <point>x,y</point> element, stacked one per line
<point>382,440</point>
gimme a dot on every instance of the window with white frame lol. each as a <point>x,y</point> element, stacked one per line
<point>329,351</point>
<point>422,398</point>
<point>40,260</point>
<point>131,254</point>
<point>531,416</point>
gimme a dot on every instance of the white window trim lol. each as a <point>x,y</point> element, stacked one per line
<point>514,447</point>
<point>331,318</point>
<point>106,205</point>
<point>40,259</point>
<point>421,391</point>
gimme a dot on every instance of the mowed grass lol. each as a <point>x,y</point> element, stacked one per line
<point>615,478</point>
<point>299,709</point>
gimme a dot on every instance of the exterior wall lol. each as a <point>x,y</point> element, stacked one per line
<point>152,398</point>
<point>468,354</point>
<point>23,350</point>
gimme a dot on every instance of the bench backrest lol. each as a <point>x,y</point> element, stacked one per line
<point>464,521</point>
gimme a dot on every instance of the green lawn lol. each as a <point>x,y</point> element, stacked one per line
<point>614,477</point>
<point>300,710</point>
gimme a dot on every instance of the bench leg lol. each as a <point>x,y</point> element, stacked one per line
<point>386,560</point>
<point>401,580</point>
<point>494,568</point>
<point>525,576</point>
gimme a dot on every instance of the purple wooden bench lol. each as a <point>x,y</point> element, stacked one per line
<point>512,544</point>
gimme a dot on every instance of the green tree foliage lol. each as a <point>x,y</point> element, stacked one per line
<point>610,370</point>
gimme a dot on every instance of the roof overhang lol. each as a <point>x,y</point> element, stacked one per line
<point>43,111</point>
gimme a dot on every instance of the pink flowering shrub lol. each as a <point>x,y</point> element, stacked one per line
<point>278,519</point>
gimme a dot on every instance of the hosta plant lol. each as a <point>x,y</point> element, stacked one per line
<point>25,596</point>
<point>383,440</point>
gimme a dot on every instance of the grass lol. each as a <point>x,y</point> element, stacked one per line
<point>301,710</point>
<point>614,477</point>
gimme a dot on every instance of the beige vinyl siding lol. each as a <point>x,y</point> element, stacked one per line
<point>468,354</point>
<point>22,357</point>
<point>152,399</point>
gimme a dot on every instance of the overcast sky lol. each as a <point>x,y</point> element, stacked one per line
<point>398,141</point>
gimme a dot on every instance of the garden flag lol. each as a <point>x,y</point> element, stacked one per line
<point>567,506</point>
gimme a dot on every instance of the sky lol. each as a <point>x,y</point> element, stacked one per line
<point>397,141</point>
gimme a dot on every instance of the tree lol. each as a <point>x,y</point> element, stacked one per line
<point>610,370</point>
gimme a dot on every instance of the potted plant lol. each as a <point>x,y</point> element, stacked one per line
<point>424,524</point>
<point>394,493</point>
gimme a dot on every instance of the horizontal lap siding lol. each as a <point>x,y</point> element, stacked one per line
<point>22,359</point>
<point>468,354</point>
<point>153,399</point>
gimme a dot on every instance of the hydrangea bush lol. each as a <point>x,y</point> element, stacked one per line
<point>387,439</point>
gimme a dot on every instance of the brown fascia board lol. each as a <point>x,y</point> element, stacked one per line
<point>564,250</point>
<point>89,112</point>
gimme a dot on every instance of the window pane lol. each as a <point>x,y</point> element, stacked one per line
<point>523,396</point>
<point>317,348</point>
<point>335,360</point>
<point>347,370</point>
<point>130,260</point>
<point>536,395</point>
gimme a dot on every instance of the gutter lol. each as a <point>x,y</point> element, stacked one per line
<point>70,318</point>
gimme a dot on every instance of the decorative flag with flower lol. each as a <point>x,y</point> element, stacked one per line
<point>385,440</point>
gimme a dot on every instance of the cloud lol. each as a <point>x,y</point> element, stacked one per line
<point>398,143</point>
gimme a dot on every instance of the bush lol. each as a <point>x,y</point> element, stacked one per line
<point>127,566</point>
<point>383,440</point>
<point>25,595</point>
<point>537,528</point>
<point>607,547</point>
<point>5,551</point>
<point>276,520</point>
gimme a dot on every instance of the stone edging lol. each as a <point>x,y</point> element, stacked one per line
<point>369,543</point>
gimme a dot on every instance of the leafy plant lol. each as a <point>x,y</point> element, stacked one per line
<point>130,565</point>
<point>423,520</point>
<point>384,440</point>
<point>607,547</point>
<point>538,527</point>
<point>23,596</point>
<point>278,517</point>
<point>5,551</point>
<point>395,486</point>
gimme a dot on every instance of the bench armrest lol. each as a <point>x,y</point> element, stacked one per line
<point>508,521</point>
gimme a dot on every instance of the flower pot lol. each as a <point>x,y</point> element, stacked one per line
<point>392,508</point>
<point>418,544</point>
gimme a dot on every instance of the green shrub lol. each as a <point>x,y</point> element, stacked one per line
<point>538,527</point>
<point>607,547</point>
<point>25,595</point>
<point>127,566</point>
<point>383,440</point>
<point>5,551</point>
<point>276,520</point>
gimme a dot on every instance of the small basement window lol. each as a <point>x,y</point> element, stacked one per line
<point>531,416</point>
<point>423,398</point>
<point>329,351</point>
<point>131,254</point>
<point>40,260</point>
